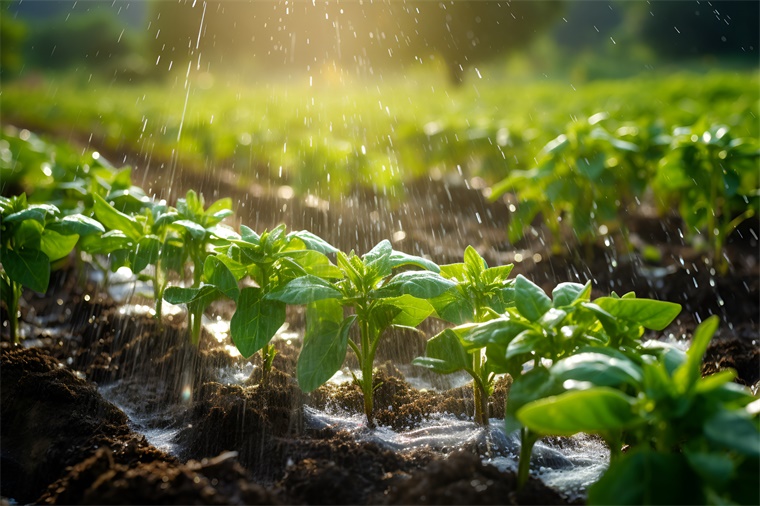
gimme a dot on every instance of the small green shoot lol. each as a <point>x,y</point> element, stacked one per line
<point>379,300</point>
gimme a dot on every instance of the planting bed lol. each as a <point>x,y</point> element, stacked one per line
<point>100,404</point>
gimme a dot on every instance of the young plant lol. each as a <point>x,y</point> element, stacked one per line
<point>200,230</point>
<point>480,294</point>
<point>559,328</point>
<point>379,299</point>
<point>271,260</point>
<point>579,182</point>
<point>32,236</point>
<point>217,282</point>
<point>542,330</point>
<point>138,241</point>
<point>682,428</point>
<point>712,177</point>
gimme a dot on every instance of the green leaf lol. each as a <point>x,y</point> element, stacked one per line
<point>31,268</point>
<point>717,469</point>
<point>651,314</point>
<point>608,321</point>
<point>454,272</point>
<point>315,263</point>
<point>474,263</point>
<point>76,224</point>
<point>734,431</point>
<point>596,410</point>
<point>325,343</point>
<point>445,354</point>
<point>112,219</point>
<point>36,212</point>
<point>256,321</point>
<point>453,307</point>
<point>520,219</point>
<point>411,310</point>
<point>592,168</point>
<point>113,240</point>
<point>566,293</point>
<point>28,235</point>
<point>314,242</point>
<point>223,232</point>
<point>645,477</point>
<point>146,253</point>
<point>526,388</point>
<point>191,205</point>
<point>57,246</point>
<point>217,274</point>
<point>687,375</point>
<point>498,330</point>
<point>220,209</point>
<point>188,295</point>
<point>420,284</point>
<point>498,274</point>
<point>195,230</point>
<point>398,258</point>
<point>600,369</point>
<point>236,268</point>
<point>530,300</point>
<point>248,235</point>
<point>526,342</point>
<point>305,290</point>
<point>378,260</point>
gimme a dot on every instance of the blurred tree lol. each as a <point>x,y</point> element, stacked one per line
<point>361,37</point>
<point>693,29</point>
<point>12,34</point>
<point>92,39</point>
<point>465,33</point>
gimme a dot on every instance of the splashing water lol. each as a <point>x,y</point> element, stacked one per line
<point>570,467</point>
<point>155,433</point>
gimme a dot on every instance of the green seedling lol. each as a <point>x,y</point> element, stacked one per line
<point>559,327</point>
<point>33,236</point>
<point>541,330</point>
<point>713,179</point>
<point>200,230</point>
<point>379,299</point>
<point>480,294</point>
<point>66,178</point>
<point>217,282</point>
<point>580,182</point>
<point>682,427</point>
<point>138,241</point>
<point>271,260</point>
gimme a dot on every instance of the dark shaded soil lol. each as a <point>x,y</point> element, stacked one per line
<point>462,476</point>
<point>52,419</point>
<point>63,443</point>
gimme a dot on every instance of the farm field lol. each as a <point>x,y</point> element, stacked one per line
<point>394,293</point>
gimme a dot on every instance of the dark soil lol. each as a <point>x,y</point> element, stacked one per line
<point>64,443</point>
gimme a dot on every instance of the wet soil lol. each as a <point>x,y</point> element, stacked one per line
<point>67,440</point>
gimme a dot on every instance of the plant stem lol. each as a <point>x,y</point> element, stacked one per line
<point>366,365</point>
<point>197,272</point>
<point>196,317</point>
<point>480,394</point>
<point>16,290</point>
<point>267,357</point>
<point>159,286</point>
<point>527,440</point>
<point>479,388</point>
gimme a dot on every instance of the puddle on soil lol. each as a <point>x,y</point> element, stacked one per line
<point>570,470</point>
